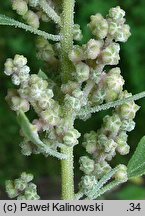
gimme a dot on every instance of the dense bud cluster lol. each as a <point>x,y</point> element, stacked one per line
<point>22,188</point>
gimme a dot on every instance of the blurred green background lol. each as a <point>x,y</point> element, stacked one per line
<point>47,170</point>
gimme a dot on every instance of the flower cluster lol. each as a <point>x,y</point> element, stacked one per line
<point>22,188</point>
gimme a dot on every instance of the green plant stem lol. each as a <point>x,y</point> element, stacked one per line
<point>67,39</point>
<point>67,174</point>
<point>67,169</point>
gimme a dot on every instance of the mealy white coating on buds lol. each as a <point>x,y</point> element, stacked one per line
<point>98,26</point>
<point>86,165</point>
<point>82,72</point>
<point>116,13</point>
<point>20,6</point>
<point>32,19</point>
<point>71,137</point>
<point>93,48</point>
<point>121,174</point>
<point>77,33</point>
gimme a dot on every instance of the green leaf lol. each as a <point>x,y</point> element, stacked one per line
<point>136,165</point>
<point>31,134</point>
<point>42,75</point>
<point>4,20</point>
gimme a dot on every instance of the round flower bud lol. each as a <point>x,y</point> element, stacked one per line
<point>98,26</point>
<point>27,177</point>
<point>88,182</point>
<point>82,72</point>
<point>123,34</point>
<point>26,148</point>
<point>101,169</point>
<point>98,96</point>
<point>110,55</point>
<point>32,19</point>
<point>31,192</point>
<point>16,79</point>
<point>90,142</point>
<point>18,103</point>
<point>77,54</point>
<point>10,189</point>
<point>96,76</point>
<point>77,33</point>
<point>9,67</point>
<point>93,48</point>
<point>20,61</point>
<point>112,123</point>
<point>116,13</point>
<point>50,116</point>
<point>70,138</point>
<point>86,165</point>
<point>121,174</point>
<point>110,95</point>
<point>20,6</point>
<point>128,110</point>
<point>114,80</point>
<point>128,125</point>
<point>123,149</point>
<point>67,88</point>
<point>20,185</point>
<point>72,103</point>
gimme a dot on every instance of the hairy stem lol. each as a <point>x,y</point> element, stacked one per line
<point>67,169</point>
<point>67,174</point>
<point>67,39</point>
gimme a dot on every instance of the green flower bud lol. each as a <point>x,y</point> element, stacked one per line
<point>20,185</point>
<point>121,174</point>
<point>93,48</point>
<point>123,149</point>
<point>114,81</point>
<point>20,6</point>
<point>70,138</point>
<point>10,189</point>
<point>72,103</point>
<point>128,110</point>
<point>77,54</point>
<point>98,26</point>
<point>82,72</point>
<point>112,123</point>
<point>96,76</point>
<point>9,67</point>
<point>33,3</point>
<point>110,95</point>
<point>50,116</point>
<point>98,96</point>
<point>116,13</point>
<point>20,61</point>
<point>67,88</point>
<point>86,165</point>
<point>16,79</point>
<point>90,142</point>
<point>88,184</point>
<point>32,19</point>
<point>26,148</point>
<point>110,55</point>
<point>77,33</point>
<point>27,177</point>
<point>101,169</point>
<point>128,125</point>
<point>31,192</point>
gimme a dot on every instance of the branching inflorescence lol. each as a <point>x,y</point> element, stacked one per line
<point>59,100</point>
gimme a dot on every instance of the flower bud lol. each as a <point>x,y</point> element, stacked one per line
<point>77,54</point>
<point>10,189</point>
<point>50,116</point>
<point>16,79</point>
<point>88,182</point>
<point>110,55</point>
<point>123,149</point>
<point>112,123</point>
<point>27,177</point>
<point>128,125</point>
<point>98,96</point>
<point>98,26</point>
<point>20,6</point>
<point>70,138</point>
<point>9,67</point>
<point>86,165</point>
<point>114,80</point>
<point>93,48</point>
<point>116,13</point>
<point>72,103</point>
<point>128,110</point>
<point>110,95</point>
<point>101,169</point>
<point>20,61</point>
<point>20,185</point>
<point>121,174</point>
<point>90,142</point>
<point>33,3</point>
<point>32,19</point>
<point>82,72</point>
<point>77,33</point>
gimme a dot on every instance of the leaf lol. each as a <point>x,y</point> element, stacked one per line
<point>31,134</point>
<point>42,75</point>
<point>136,165</point>
<point>4,20</point>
